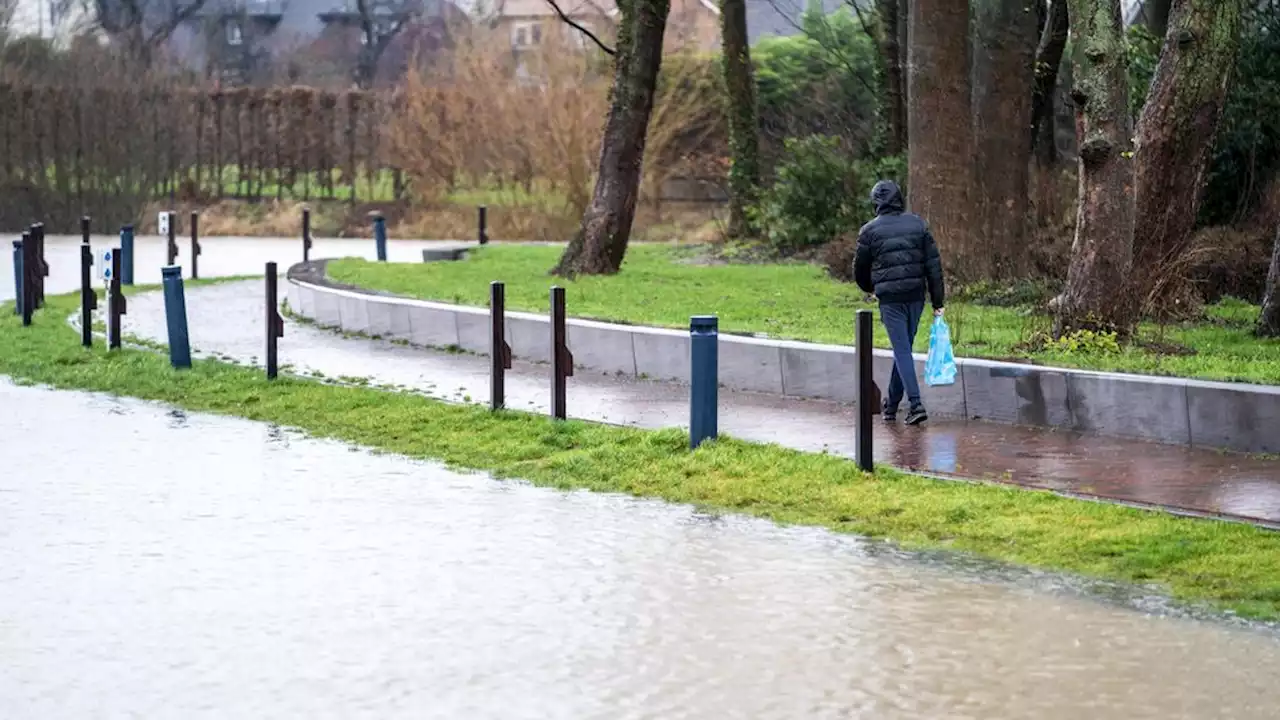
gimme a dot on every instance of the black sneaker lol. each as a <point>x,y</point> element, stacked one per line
<point>889,414</point>
<point>917,416</point>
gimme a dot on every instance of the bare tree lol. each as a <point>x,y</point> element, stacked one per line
<point>141,27</point>
<point>380,22</point>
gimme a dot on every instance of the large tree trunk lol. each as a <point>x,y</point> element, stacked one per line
<point>1102,254</point>
<point>1176,131</point>
<point>1269,322</point>
<point>1003,80</point>
<point>895,94</point>
<point>744,120</point>
<point>1053,41</point>
<point>940,153</point>
<point>601,243</point>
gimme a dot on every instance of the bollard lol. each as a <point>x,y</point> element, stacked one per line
<point>115,300</point>
<point>125,251</point>
<point>561,358</point>
<point>306,234</point>
<point>88,297</point>
<point>704,339</point>
<point>380,236</point>
<point>481,233</point>
<point>28,277</point>
<point>172,245</point>
<point>195,245</point>
<point>499,350</point>
<point>40,270</point>
<point>866,391</point>
<point>275,323</point>
<point>17,277</point>
<point>175,315</point>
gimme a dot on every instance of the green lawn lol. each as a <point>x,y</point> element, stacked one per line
<point>658,286</point>
<point>1229,566</point>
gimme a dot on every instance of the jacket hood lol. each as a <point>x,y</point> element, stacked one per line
<point>886,196</point>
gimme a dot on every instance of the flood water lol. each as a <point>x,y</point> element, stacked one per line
<point>157,564</point>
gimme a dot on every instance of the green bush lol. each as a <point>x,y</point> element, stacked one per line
<point>813,199</point>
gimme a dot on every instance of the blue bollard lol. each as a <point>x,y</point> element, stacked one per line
<point>175,313</point>
<point>126,255</point>
<point>17,277</point>
<point>380,236</point>
<point>704,337</point>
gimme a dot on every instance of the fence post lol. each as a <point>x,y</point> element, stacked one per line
<point>482,219</point>
<point>704,339</point>
<point>306,234</point>
<point>116,306</point>
<point>29,272</point>
<point>175,315</point>
<point>499,350</point>
<point>380,236</point>
<point>88,296</point>
<point>275,323</point>
<point>173,241</point>
<point>561,358</point>
<point>195,245</point>
<point>19,281</point>
<point>40,270</point>
<point>866,391</point>
<point>125,253</point>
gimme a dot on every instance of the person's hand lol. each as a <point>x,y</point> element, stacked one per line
<point>937,312</point>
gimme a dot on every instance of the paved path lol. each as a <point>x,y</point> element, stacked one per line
<point>227,320</point>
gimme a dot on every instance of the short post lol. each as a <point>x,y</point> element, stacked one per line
<point>195,245</point>
<point>275,323</point>
<point>704,338</point>
<point>499,350</point>
<point>380,236</point>
<point>125,252</point>
<point>866,391</point>
<point>175,315</point>
<point>115,300</point>
<point>88,296</point>
<point>561,358</point>
<point>29,272</point>
<point>40,270</point>
<point>17,277</point>
<point>482,221</point>
<point>172,253</point>
<point>306,234</point>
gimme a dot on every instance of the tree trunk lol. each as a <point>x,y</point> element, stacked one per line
<point>1156,16</point>
<point>1176,130</point>
<point>1053,40</point>
<point>1269,321</point>
<point>1003,81</point>
<point>940,153</point>
<point>1102,254</point>
<point>895,100</point>
<point>601,243</point>
<point>744,121</point>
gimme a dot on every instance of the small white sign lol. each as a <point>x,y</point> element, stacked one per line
<point>162,223</point>
<point>104,266</point>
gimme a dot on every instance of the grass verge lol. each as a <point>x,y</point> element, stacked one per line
<point>1230,566</point>
<point>798,301</point>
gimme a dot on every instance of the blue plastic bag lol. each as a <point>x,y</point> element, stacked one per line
<point>940,366</point>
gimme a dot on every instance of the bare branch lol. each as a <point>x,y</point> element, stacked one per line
<point>866,28</point>
<point>571,23</point>
<point>825,43</point>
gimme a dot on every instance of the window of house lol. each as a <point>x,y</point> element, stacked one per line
<point>537,34</point>
<point>234,36</point>
<point>522,37</point>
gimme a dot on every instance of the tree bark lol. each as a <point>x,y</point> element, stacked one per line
<point>1003,83</point>
<point>601,243</point>
<point>1269,321</point>
<point>744,120</point>
<point>1102,253</point>
<point>1053,41</point>
<point>1176,130</point>
<point>895,96</point>
<point>940,153</point>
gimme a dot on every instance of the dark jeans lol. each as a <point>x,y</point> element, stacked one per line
<point>902,320</point>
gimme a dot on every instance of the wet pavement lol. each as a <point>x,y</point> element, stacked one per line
<point>165,565</point>
<point>227,320</point>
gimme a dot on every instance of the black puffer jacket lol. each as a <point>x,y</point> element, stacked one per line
<point>897,257</point>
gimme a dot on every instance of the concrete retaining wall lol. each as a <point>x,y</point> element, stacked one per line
<point>1231,416</point>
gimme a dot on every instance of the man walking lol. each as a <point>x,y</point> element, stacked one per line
<point>898,260</point>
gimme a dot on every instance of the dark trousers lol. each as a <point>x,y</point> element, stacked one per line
<point>902,320</point>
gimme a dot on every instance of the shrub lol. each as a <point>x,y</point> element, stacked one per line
<point>811,201</point>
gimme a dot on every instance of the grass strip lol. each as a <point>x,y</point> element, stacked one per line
<point>1226,565</point>
<point>659,286</point>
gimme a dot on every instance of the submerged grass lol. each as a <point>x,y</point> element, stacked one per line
<point>798,301</point>
<point>1230,566</point>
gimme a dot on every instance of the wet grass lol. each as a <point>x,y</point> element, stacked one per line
<point>1229,566</point>
<point>798,301</point>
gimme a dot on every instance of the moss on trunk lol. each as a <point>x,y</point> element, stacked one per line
<point>744,122</point>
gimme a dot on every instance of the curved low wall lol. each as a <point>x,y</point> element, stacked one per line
<point>1232,416</point>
